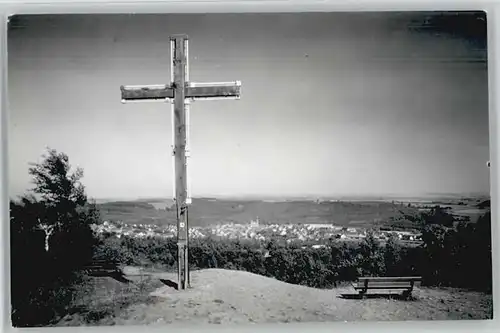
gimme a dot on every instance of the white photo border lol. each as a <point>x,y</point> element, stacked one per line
<point>492,9</point>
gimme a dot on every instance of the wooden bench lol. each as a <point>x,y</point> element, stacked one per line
<point>387,283</point>
<point>102,268</point>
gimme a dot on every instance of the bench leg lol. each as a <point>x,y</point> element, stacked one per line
<point>407,293</point>
<point>364,290</point>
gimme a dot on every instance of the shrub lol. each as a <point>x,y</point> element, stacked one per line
<point>42,279</point>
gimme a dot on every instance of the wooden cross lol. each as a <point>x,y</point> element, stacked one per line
<point>180,92</point>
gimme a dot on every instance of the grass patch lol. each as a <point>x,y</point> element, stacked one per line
<point>99,300</point>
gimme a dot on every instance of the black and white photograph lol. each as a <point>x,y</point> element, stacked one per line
<point>248,168</point>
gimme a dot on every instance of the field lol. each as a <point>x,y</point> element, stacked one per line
<point>206,212</point>
<point>232,297</point>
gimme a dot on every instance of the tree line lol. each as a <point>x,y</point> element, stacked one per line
<point>449,257</point>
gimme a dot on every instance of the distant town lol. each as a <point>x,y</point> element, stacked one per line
<point>254,230</point>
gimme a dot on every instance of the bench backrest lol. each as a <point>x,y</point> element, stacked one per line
<point>392,282</point>
<point>102,264</point>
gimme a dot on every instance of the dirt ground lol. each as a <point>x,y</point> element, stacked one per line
<point>220,296</point>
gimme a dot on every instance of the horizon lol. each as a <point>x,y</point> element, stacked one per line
<point>332,104</point>
<point>307,197</point>
<point>381,197</point>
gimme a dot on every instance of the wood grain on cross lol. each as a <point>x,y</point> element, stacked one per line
<point>180,92</point>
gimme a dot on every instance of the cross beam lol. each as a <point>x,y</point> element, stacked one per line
<point>180,92</point>
<point>192,91</point>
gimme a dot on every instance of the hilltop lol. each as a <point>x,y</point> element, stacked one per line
<point>221,296</point>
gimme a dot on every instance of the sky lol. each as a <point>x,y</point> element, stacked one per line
<point>331,104</point>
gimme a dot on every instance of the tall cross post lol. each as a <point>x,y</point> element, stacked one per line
<point>180,92</point>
